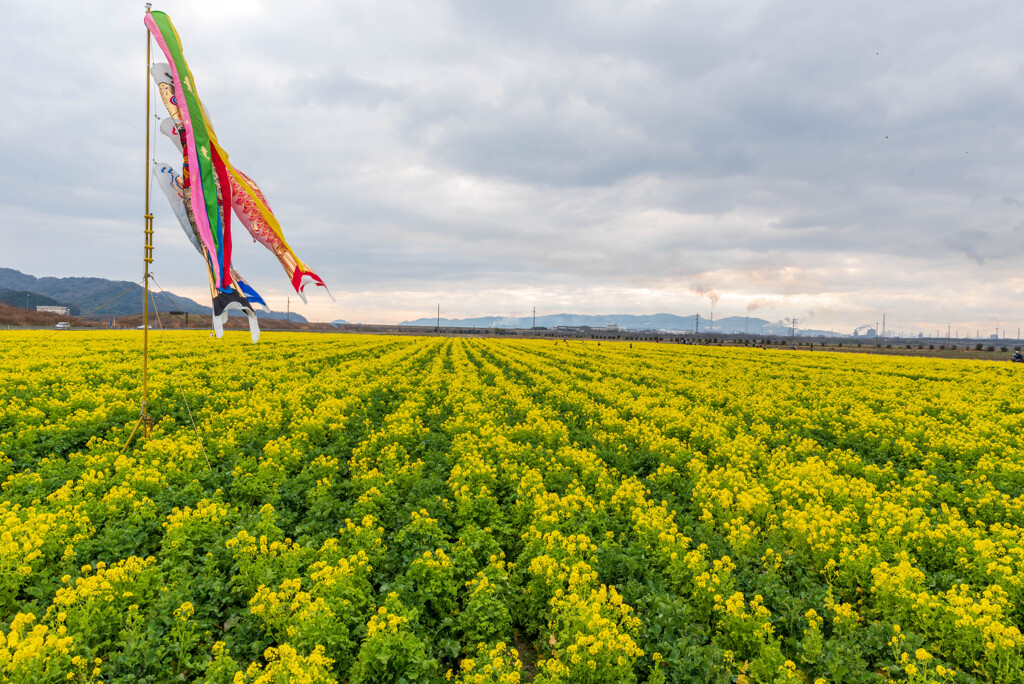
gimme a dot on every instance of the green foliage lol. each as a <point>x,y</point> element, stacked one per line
<point>401,509</point>
<point>392,652</point>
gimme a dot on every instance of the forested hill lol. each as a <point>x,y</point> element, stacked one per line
<point>89,293</point>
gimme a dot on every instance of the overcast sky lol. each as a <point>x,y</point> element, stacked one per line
<point>828,161</point>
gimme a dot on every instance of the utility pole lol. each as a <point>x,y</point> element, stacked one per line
<point>792,328</point>
<point>696,324</point>
<point>288,315</point>
<point>883,325</point>
<point>534,317</point>
<point>437,326</point>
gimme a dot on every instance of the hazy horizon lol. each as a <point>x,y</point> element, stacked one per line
<point>893,328</point>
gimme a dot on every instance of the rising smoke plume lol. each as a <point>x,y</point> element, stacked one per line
<point>706,292</point>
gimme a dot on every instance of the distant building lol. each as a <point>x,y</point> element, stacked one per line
<point>62,310</point>
<point>611,327</point>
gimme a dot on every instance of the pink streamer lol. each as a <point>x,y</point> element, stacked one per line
<point>198,202</point>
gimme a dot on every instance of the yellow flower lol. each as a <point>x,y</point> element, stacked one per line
<point>184,612</point>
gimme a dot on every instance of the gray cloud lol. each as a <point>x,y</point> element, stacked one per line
<point>801,156</point>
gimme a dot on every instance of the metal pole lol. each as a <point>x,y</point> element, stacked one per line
<point>147,260</point>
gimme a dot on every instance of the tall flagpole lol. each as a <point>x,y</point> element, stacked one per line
<point>144,420</point>
<point>147,259</point>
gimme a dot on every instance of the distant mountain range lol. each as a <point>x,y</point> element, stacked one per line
<point>86,294</point>
<point>661,321</point>
<point>83,295</point>
<point>730,325</point>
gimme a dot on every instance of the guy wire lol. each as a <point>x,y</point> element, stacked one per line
<point>163,332</point>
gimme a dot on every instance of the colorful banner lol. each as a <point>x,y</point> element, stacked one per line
<point>209,187</point>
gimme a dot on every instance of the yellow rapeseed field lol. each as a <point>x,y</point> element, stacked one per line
<point>384,509</point>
